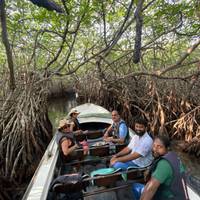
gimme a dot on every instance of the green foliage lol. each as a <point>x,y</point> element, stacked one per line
<point>37,34</point>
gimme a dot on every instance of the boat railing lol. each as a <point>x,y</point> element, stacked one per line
<point>35,189</point>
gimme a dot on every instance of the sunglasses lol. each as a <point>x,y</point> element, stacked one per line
<point>66,126</point>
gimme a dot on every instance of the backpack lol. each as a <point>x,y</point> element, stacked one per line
<point>68,187</point>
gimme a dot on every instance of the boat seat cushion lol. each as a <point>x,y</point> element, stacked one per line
<point>107,176</point>
<point>104,171</point>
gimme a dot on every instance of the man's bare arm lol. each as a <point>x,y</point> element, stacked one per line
<point>109,129</point>
<point>123,152</point>
<point>118,140</point>
<point>150,189</point>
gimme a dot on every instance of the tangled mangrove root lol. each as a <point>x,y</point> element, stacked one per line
<point>25,132</point>
<point>167,107</point>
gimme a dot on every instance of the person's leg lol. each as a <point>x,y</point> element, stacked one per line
<point>132,164</point>
<point>137,189</point>
<point>124,165</point>
<point>65,146</point>
<point>120,165</point>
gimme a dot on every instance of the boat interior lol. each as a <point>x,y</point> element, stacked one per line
<point>80,176</point>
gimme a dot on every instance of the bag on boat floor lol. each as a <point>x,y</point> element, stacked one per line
<point>65,196</point>
<point>69,183</point>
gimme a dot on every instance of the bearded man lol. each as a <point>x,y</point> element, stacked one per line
<point>138,153</point>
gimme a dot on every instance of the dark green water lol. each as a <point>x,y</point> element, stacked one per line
<point>58,109</point>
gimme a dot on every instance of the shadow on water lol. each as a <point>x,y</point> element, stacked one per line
<point>191,162</point>
<point>58,109</point>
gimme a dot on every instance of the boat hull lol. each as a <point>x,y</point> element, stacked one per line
<point>39,186</point>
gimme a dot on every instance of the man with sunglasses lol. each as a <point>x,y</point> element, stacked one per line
<point>65,138</point>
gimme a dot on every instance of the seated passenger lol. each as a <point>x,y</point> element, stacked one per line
<point>65,138</point>
<point>166,175</point>
<point>138,152</point>
<point>73,118</point>
<point>75,128</point>
<point>118,131</point>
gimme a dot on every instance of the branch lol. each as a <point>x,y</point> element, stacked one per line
<point>104,22</point>
<point>107,49</point>
<point>197,73</point>
<point>121,30</point>
<point>7,44</point>
<point>63,37</point>
<point>60,49</point>
<point>180,61</point>
<point>138,31</point>
<point>71,46</point>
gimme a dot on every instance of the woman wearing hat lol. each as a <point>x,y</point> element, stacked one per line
<point>75,128</point>
<point>65,138</point>
<point>73,117</point>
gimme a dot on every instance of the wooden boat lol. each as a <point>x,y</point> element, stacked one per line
<point>112,186</point>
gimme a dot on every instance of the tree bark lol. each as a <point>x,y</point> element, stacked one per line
<point>138,32</point>
<point>7,44</point>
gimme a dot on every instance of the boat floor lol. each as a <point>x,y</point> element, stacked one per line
<point>124,193</point>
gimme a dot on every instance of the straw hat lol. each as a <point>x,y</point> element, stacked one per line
<point>73,111</point>
<point>63,123</point>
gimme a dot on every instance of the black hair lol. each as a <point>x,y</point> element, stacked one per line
<point>164,139</point>
<point>141,120</point>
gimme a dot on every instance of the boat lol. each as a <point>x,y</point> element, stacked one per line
<point>115,185</point>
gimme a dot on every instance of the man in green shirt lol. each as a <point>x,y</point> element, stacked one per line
<point>166,180</point>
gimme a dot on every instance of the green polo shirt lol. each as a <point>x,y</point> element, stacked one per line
<point>164,174</point>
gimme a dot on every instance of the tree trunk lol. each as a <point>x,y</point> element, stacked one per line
<point>7,44</point>
<point>138,32</point>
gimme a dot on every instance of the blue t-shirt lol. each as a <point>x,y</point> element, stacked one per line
<point>123,130</point>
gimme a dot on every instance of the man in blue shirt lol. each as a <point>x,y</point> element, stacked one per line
<point>118,131</point>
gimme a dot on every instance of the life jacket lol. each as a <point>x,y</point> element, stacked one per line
<point>69,136</point>
<point>115,130</point>
<point>178,184</point>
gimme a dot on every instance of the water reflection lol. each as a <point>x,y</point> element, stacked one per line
<point>191,162</point>
<point>59,108</point>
